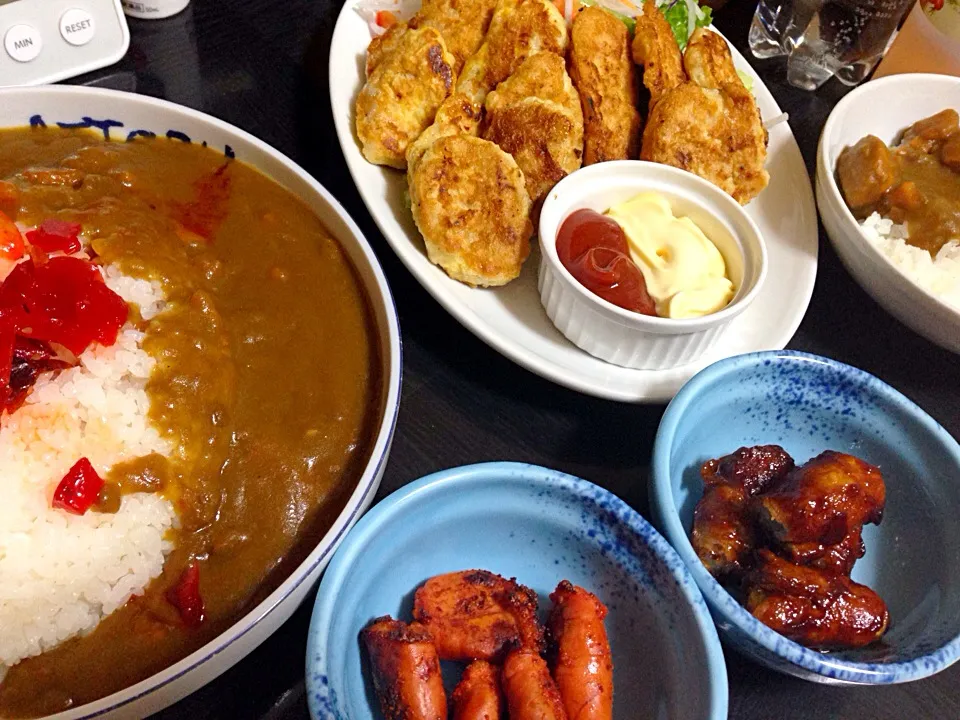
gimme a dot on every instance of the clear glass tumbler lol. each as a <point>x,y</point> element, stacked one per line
<point>826,38</point>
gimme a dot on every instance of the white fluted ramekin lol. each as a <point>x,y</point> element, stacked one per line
<point>623,337</point>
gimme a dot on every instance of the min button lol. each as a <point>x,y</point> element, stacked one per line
<point>77,26</point>
<point>22,43</point>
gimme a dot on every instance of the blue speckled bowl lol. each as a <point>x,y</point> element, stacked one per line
<point>809,404</point>
<point>539,526</point>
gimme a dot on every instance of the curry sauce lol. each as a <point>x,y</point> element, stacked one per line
<point>267,383</point>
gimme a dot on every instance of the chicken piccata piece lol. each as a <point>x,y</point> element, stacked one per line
<point>477,615</point>
<point>401,97</point>
<point>535,116</point>
<point>469,201</point>
<point>703,120</point>
<point>458,115</point>
<point>813,607</point>
<point>606,78</point>
<point>655,49</point>
<point>462,23</point>
<point>723,533</point>
<point>519,29</point>
<point>823,500</point>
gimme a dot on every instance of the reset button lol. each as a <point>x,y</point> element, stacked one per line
<point>77,27</point>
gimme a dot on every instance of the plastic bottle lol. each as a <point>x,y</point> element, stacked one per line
<point>153,9</point>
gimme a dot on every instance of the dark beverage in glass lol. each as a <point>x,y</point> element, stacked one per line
<point>825,38</point>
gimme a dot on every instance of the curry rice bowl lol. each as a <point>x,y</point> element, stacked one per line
<point>60,574</point>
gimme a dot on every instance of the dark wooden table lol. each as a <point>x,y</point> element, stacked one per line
<point>262,65</point>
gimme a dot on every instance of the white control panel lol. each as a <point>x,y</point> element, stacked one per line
<point>42,41</point>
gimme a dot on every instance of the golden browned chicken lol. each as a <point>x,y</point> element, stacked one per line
<point>477,615</point>
<point>519,28</point>
<point>477,696</point>
<point>708,124</point>
<point>606,78</point>
<point>470,203</point>
<point>458,115</point>
<point>402,95</point>
<point>814,607</point>
<point>655,49</point>
<point>535,116</point>
<point>462,23</point>
<point>382,45</point>
<point>823,500</point>
<point>723,532</point>
<point>707,61</point>
<point>406,670</point>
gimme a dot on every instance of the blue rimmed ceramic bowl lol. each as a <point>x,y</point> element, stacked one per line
<point>809,404</point>
<point>541,527</point>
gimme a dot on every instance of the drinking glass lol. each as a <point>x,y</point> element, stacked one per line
<point>826,38</point>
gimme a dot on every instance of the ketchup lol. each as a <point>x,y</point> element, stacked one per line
<point>593,248</point>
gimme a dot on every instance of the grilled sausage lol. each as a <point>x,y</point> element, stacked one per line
<point>477,695</point>
<point>530,691</point>
<point>406,670</point>
<point>583,668</point>
<point>477,615</point>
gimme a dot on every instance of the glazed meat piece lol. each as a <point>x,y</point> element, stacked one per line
<point>477,695</point>
<point>606,78</point>
<point>476,615</point>
<point>823,500</point>
<point>866,171</point>
<point>406,670</point>
<point>756,468</point>
<point>814,607</point>
<point>530,691</point>
<point>582,667</point>
<point>723,535</point>
<point>839,558</point>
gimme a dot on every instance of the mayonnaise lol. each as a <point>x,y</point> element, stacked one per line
<point>685,273</point>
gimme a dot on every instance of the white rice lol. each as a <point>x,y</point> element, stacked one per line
<point>939,276</point>
<point>60,574</point>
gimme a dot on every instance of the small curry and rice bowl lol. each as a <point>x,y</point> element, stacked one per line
<point>904,165</point>
<point>191,388</point>
<point>907,199</point>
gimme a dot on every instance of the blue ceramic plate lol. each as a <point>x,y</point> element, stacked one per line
<point>809,404</point>
<point>541,527</point>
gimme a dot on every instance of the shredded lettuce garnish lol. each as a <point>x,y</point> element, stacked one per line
<point>747,80</point>
<point>684,16</point>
